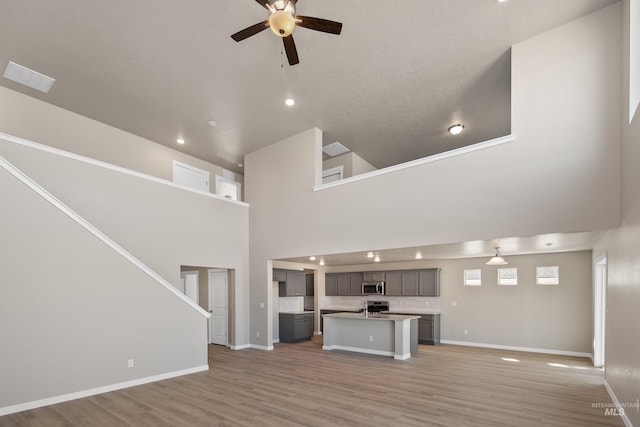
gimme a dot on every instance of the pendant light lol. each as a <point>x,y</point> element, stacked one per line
<point>497,259</point>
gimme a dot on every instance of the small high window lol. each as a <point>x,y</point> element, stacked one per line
<point>473,277</point>
<point>548,275</point>
<point>507,276</point>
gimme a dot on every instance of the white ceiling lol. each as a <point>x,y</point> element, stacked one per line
<point>387,88</point>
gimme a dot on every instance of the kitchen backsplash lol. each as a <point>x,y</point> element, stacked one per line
<point>395,303</point>
<point>289,304</point>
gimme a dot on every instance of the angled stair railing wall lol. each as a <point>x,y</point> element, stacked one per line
<point>34,186</point>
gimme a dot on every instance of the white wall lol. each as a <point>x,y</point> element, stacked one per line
<point>70,302</point>
<point>29,118</point>
<point>560,175</point>
<point>622,359</point>
<point>352,164</point>
<point>73,312</point>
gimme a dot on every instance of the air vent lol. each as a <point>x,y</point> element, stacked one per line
<point>334,149</point>
<point>27,77</point>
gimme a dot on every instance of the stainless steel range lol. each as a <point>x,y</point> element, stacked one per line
<point>377,306</point>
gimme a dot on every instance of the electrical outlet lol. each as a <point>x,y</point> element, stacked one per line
<point>466,332</point>
<point>258,334</point>
<point>261,305</point>
<point>130,363</point>
<point>454,303</point>
<point>370,337</point>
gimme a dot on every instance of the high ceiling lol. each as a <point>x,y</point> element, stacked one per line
<point>387,88</point>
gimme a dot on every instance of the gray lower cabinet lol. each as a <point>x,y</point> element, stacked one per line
<point>296,327</point>
<point>428,328</point>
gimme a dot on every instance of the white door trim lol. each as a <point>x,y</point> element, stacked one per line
<point>599,310</point>
<point>216,313</point>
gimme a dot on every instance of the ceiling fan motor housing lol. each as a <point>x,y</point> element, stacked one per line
<point>282,23</point>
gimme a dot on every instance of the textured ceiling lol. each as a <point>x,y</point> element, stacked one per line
<point>387,88</point>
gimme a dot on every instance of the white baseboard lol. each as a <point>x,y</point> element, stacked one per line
<point>358,350</point>
<point>623,415</point>
<point>514,348</point>
<point>261,347</point>
<point>240,347</point>
<point>276,341</point>
<point>98,390</point>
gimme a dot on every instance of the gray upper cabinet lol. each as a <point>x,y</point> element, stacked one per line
<point>331,284</point>
<point>429,282</point>
<point>424,283</point>
<point>279,275</point>
<point>344,284</point>
<point>293,285</point>
<point>409,283</point>
<point>373,276</point>
<point>393,285</point>
<point>356,283</point>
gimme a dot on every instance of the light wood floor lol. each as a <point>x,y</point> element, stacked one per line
<point>299,384</point>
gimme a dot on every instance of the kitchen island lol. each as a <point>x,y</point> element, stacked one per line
<point>382,334</point>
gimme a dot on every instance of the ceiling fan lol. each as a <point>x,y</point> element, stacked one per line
<point>283,20</point>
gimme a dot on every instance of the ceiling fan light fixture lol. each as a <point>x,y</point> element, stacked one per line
<point>282,23</point>
<point>497,259</point>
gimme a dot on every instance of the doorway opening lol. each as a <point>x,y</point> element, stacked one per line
<point>600,311</point>
<point>212,289</point>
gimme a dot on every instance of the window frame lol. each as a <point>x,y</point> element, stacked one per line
<point>500,279</point>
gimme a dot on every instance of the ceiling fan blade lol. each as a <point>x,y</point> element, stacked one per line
<point>263,3</point>
<point>319,24</point>
<point>250,31</point>
<point>290,48</point>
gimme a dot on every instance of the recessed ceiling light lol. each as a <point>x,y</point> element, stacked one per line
<point>290,102</point>
<point>418,255</point>
<point>370,255</point>
<point>456,129</point>
<point>180,141</point>
<point>312,258</point>
<point>377,259</point>
<point>321,262</point>
<point>212,123</point>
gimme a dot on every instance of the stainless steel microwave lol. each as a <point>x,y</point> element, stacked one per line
<point>372,288</point>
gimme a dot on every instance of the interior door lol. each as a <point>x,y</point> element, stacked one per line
<point>190,282</point>
<point>218,297</point>
<point>191,177</point>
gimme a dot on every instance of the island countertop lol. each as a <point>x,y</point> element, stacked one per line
<point>372,316</point>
